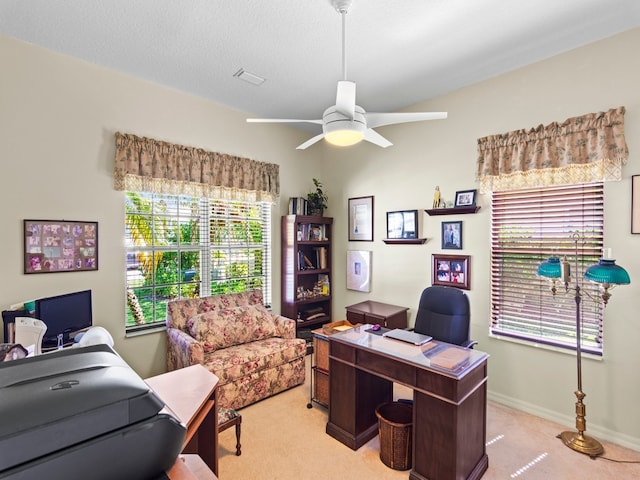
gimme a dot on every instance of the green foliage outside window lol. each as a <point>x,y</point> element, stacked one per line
<point>166,247</point>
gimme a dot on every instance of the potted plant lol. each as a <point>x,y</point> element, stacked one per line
<point>317,201</point>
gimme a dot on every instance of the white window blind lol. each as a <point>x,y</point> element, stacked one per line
<point>180,246</point>
<point>529,226</point>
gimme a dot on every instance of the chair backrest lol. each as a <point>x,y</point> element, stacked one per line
<point>444,314</point>
<point>30,331</point>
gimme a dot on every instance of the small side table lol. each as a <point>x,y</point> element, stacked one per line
<point>385,315</point>
<point>320,361</point>
<point>197,410</point>
<point>228,417</point>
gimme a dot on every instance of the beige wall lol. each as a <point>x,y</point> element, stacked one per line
<point>590,79</point>
<point>57,122</point>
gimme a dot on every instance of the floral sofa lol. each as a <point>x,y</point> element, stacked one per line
<point>253,352</point>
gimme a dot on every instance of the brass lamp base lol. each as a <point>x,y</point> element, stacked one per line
<point>582,443</point>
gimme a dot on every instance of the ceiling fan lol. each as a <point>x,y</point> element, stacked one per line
<point>346,123</point>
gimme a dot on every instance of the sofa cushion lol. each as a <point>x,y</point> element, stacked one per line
<point>233,363</point>
<point>181,310</point>
<point>227,327</point>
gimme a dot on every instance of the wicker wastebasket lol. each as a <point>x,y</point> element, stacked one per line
<point>394,427</point>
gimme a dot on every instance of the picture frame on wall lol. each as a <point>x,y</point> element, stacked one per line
<point>359,270</point>
<point>452,235</point>
<point>466,198</point>
<point>402,224</point>
<point>451,270</point>
<point>55,246</point>
<point>361,219</point>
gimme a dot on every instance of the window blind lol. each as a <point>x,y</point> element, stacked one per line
<point>529,226</point>
<point>240,242</point>
<point>185,247</point>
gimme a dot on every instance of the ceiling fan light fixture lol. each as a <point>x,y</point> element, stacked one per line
<point>346,123</point>
<point>343,131</point>
<point>344,137</point>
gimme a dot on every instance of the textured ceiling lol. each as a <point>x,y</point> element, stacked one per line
<point>398,52</point>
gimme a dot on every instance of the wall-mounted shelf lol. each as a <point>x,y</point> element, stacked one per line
<point>453,210</point>
<point>404,241</point>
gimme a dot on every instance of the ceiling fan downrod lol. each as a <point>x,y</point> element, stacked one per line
<point>342,6</point>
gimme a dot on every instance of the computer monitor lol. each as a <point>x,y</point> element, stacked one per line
<point>64,314</point>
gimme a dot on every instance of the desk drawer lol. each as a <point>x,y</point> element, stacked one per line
<point>356,317</point>
<point>343,352</point>
<point>377,364</point>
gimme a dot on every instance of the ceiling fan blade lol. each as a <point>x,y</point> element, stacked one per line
<point>282,120</point>
<point>346,98</point>
<point>374,137</point>
<point>310,142</point>
<point>380,119</point>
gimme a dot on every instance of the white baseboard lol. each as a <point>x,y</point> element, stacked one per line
<point>594,430</point>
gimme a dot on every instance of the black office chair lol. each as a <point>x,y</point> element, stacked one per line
<point>444,314</point>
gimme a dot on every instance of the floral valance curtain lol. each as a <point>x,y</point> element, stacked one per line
<point>580,150</point>
<point>148,165</point>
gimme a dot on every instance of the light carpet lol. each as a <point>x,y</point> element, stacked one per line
<point>282,439</point>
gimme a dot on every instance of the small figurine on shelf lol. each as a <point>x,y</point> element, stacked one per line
<point>436,197</point>
<point>326,289</point>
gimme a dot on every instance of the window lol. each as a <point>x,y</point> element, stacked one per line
<point>528,226</point>
<point>180,246</point>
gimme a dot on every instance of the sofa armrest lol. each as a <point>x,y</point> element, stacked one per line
<point>182,350</point>
<point>285,327</point>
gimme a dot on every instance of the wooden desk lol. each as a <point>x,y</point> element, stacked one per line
<point>385,315</point>
<point>449,395</point>
<point>190,393</point>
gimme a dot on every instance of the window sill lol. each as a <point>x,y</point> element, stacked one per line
<point>145,331</point>
<point>544,346</point>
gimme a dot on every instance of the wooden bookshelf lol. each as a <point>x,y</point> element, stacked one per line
<point>306,260</point>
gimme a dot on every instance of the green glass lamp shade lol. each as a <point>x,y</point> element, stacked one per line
<point>550,269</point>
<point>606,271</point>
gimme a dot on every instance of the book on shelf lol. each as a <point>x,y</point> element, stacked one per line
<point>315,233</point>
<point>304,262</point>
<point>298,206</point>
<point>321,257</point>
<point>311,232</point>
<point>307,262</point>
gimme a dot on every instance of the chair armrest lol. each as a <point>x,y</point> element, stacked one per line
<point>182,350</point>
<point>286,327</point>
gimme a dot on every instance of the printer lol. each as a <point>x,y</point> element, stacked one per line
<point>83,413</point>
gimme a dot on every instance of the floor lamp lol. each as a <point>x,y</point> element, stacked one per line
<point>607,274</point>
